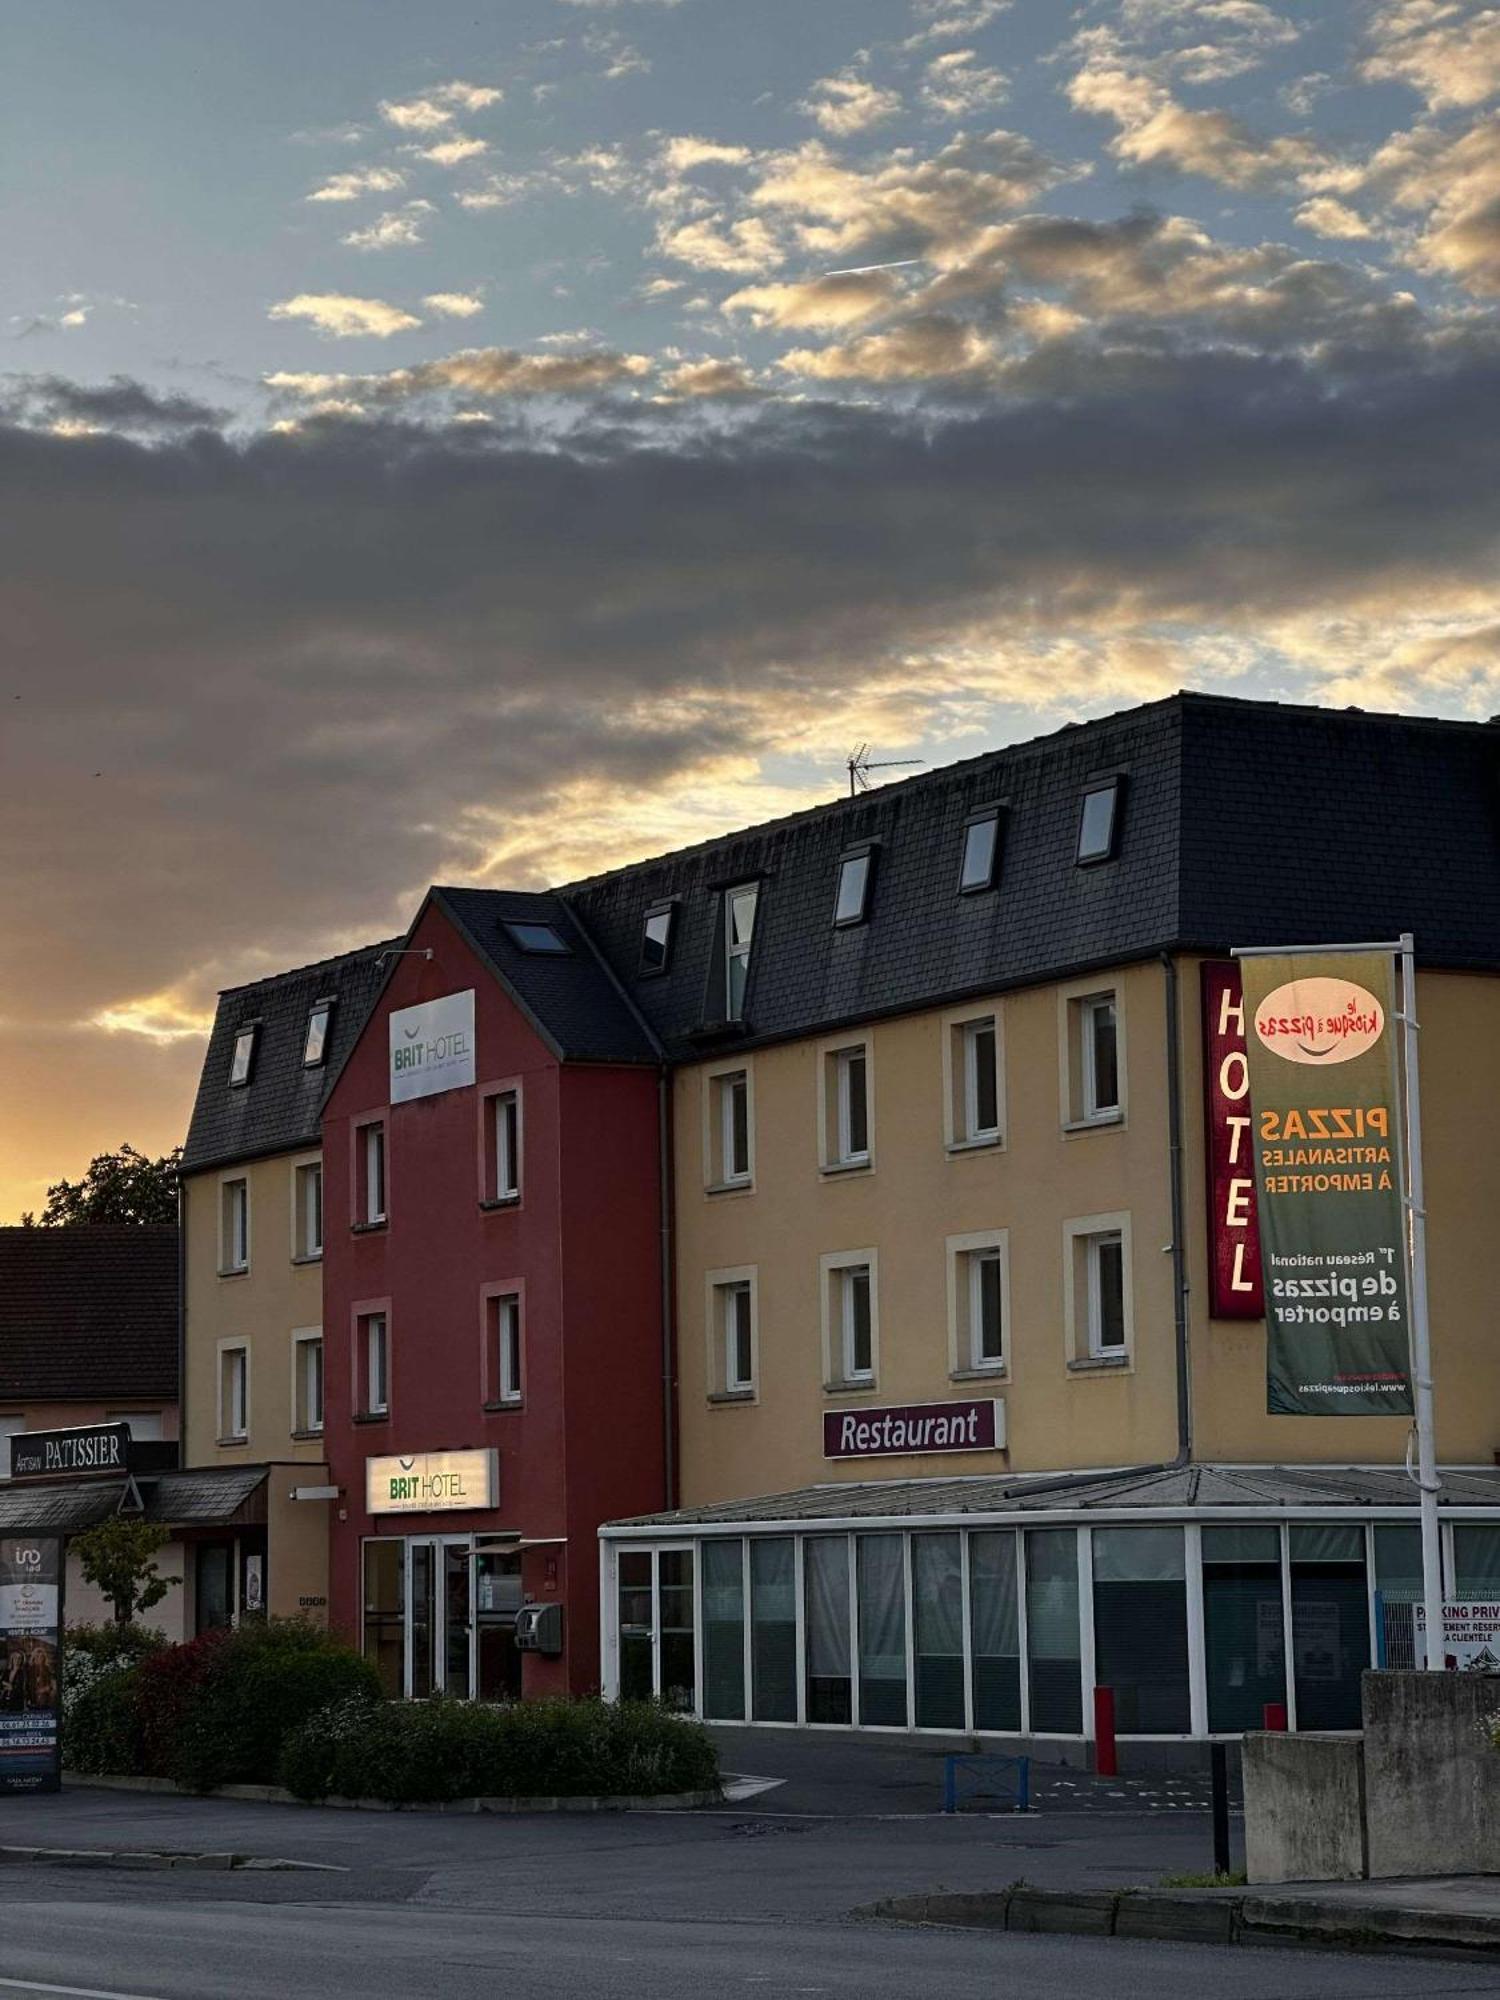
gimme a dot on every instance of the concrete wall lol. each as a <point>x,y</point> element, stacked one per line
<point>84,1605</point>
<point>1304,1808</point>
<point>1432,1774</point>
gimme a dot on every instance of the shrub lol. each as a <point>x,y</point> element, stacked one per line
<point>405,1752</point>
<point>102,1722</point>
<point>263,1681</point>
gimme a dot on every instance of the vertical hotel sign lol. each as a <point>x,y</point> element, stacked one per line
<point>1322,1059</point>
<point>1234,1282</point>
<point>30,1663</point>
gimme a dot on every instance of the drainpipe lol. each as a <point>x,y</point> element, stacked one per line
<point>668,1290</point>
<point>182,1458</point>
<point>1178,1247</point>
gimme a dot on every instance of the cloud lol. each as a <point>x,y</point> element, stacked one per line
<point>396,229</point>
<point>1452,179</point>
<point>681,154</point>
<point>77,409</point>
<point>926,348</point>
<point>492,372</point>
<point>713,245</point>
<point>497,191</point>
<point>707,379</point>
<point>453,152</point>
<point>358,181</point>
<point>1326,217</point>
<point>957,85</point>
<point>945,20</point>
<point>434,109</point>
<point>818,303</point>
<point>1155,130</point>
<point>453,305</point>
<point>1446,50</point>
<point>344,318</point>
<point>849,103</point>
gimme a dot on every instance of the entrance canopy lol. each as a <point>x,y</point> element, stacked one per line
<point>234,1496</point>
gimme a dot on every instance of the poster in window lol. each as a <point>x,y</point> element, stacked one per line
<point>30,1663</point>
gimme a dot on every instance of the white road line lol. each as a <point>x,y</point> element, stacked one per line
<point>74,1992</point>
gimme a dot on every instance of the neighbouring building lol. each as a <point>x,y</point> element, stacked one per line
<point>252,1305</point>
<point>492,1298</point>
<point>962,1436</point>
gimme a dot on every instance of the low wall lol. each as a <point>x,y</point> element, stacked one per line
<point>1304,1808</point>
<point>1432,1775</point>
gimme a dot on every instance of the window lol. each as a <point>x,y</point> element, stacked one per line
<point>503,1362</point>
<point>656,938</point>
<point>541,940</point>
<point>739,931</point>
<point>974,1081</point>
<point>307,1211</point>
<point>234,1227</point>
<point>1092,1054</point>
<point>723,1563</point>
<point>145,1425</point>
<point>373,1359</point>
<point>505,1110</point>
<point>1098,820</point>
<point>11,1425</point>
<point>731,1332</point>
<point>1101,1057</point>
<point>234,1394</point>
<point>827,1629</point>
<point>850,1319</point>
<point>981,851</point>
<point>315,1048</point>
<point>1141,1628</point>
<point>1053,1640</point>
<point>1106,1294</point>
<point>307,1383</point>
<point>846,1107</point>
<point>851,904</point>
<point>243,1060</point>
<point>1096,1289</point>
<point>370,1159</point>
<point>728,1141</point>
<point>977,1288</point>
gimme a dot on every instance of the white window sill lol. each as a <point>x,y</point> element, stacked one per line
<point>1103,1121</point>
<point>987,1142</point>
<point>830,1169</point>
<point>865,1386</point>
<point>1096,1364</point>
<point>743,1186</point>
<point>732,1395</point>
<point>235,1271</point>
<point>490,1202</point>
<point>989,1371</point>
<point>224,1443</point>
<point>308,1257</point>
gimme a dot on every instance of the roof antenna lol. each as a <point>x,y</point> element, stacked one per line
<point>860,764</point>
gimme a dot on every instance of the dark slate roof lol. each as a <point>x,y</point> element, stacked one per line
<point>210,1497</point>
<point>1232,1489</point>
<point>88,1312</point>
<point>204,1496</point>
<point>575,1002</point>
<point>1243,823</point>
<point>280,1107</point>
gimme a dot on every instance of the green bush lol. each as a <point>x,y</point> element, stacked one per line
<point>102,1723</point>
<point>409,1752</point>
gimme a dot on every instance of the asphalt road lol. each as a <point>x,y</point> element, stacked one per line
<point>163,1947</point>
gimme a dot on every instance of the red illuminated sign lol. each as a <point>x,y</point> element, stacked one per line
<point>1234,1282</point>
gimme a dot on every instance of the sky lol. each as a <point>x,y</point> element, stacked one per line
<point>488,443</point>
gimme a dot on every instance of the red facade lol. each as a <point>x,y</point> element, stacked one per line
<point>579,1248</point>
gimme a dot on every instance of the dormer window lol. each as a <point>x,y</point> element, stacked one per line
<point>981,852</point>
<point>1098,821</point>
<point>739,931</point>
<point>656,938</point>
<point>243,1059</point>
<point>851,904</point>
<point>541,940</point>
<point>315,1048</point>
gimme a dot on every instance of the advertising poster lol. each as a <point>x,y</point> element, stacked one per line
<point>1321,1046</point>
<point>31,1672</point>
<point>1471,1636</point>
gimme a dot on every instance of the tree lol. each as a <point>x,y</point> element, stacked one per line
<point>117,1557</point>
<point>119,1187</point>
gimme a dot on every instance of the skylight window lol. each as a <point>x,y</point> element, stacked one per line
<point>851,906</point>
<point>241,1062</point>
<point>739,929</point>
<point>656,938</point>
<point>981,851</point>
<point>315,1048</point>
<point>540,939</point>
<point>1098,823</point>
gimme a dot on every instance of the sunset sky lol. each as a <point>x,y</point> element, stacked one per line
<point>483,443</point>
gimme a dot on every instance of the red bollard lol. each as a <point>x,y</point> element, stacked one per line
<point>1106,1765</point>
<point>1273,1716</point>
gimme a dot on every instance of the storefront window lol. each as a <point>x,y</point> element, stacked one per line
<point>456,1557</point>
<point>384,1613</point>
<point>938,1630</point>
<point>636,1628</point>
<point>497,1598</point>
<point>1398,1578</point>
<point>423,1605</point>
<point>1244,1637</point>
<point>882,1631</point>
<point>679,1676</point>
<point>1052,1631</point>
<point>825,1566</point>
<point>1140,1628</point>
<point>215,1602</point>
<point>1330,1624</point>
<point>724,1630</point>
<point>773,1630</point>
<point>995,1631</point>
<point>1476,1563</point>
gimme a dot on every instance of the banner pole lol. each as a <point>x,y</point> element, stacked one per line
<point>1428,1484</point>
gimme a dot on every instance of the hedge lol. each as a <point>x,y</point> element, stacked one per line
<point>430,1751</point>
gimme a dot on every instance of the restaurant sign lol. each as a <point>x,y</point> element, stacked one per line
<point>433,1482</point>
<point>908,1428</point>
<point>91,1448</point>
<point>30,1663</point>
<point>1234,1282</point>
<point>432,1047</point>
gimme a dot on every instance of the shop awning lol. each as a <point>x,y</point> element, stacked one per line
<point>231,1496</point>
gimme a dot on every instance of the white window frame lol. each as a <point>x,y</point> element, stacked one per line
<point>725,1383</point>
<point>964,1255</point>
<point>325,1008</point>
<point>1089,1011</point>
<point>960,1079</point>
<point>228,1431</point>
<point>990,817</point>
<point>507,1143</point>
<point>1075,1056</point>
<point>738,953</point>
<point>509,1360</point>
<point>862,858</point>
<point>719,1176</point>
<point>837,1315</point>
<point>1081,1313</point>
<point>303,1338</point>
<point>369,1322</point>
<point>230,1264</point>
<point>246,1036</point>
<point>372,1137</point>
<point>303,1170</point>
<point>835,1104</point>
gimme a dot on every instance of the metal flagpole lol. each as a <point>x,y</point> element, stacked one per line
<point>1428,1484</point>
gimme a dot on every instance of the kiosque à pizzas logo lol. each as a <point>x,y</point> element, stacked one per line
<point>1320,1021</point>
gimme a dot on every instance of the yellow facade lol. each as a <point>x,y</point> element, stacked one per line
<point>1051,1180</point>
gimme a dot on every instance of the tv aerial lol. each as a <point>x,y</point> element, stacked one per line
<point>860,764</point>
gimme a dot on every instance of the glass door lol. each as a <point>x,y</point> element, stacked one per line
<point>657,1626</point>
<point>439,1616</point>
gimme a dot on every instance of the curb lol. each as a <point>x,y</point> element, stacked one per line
<point>277,1795</point>
<point>1201,1916</point>
<point>138,1857</point>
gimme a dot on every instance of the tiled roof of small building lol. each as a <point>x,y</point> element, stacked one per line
<point>88,1312</point>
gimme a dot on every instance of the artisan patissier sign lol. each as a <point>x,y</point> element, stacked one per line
<point>432,1047</point>
<point>906,1428</point>
<point>93,1448</point>
<point>432,1482</point>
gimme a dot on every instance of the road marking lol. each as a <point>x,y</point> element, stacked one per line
<point>74,1992</point>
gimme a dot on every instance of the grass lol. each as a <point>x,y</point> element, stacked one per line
<point>1233,1879</point>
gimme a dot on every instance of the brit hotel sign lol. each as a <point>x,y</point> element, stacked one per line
<point>432,1047</point>
<point>433,1482</point>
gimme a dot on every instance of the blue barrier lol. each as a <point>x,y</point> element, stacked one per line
<point>975,1769</point>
